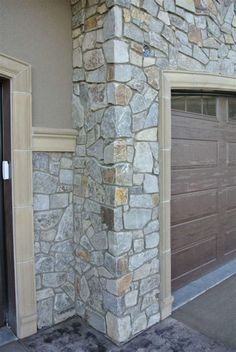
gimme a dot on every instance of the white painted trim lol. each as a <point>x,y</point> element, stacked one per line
<point>53,139</point>
<point>175,80</point>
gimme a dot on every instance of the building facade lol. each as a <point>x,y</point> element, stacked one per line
<point>101,185</point>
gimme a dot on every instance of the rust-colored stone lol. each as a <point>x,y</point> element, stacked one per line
<point>84,255</point>
<point>108,217</point>
<point>123,284</point>
<point>137,47</point>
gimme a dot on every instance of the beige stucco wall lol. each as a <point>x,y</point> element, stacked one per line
<point>39,32</point>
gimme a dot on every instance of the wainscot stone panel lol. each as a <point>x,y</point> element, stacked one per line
<point>54,237</point>
<point>119,49</point>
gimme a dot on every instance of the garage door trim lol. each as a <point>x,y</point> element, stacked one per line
<point>170,80</point>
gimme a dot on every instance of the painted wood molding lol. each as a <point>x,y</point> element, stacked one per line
<point>53,140</point>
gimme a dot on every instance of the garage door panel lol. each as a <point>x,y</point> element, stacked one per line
<point>230,241</point>
<point>193,231</point>
<point>194,153</point>
<point>193,120</point>
<point>203,188</point>
<point>229,178</point>
<point>231,154</point>
<point>192,180</point>
<point>192,258</point>
<point>230,219</point>
<point>190,206</point>
<point>207,133</point>
<point>230,197</point>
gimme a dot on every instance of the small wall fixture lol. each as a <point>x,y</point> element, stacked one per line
<point>146,51</point>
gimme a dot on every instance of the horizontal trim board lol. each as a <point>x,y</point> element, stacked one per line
<point>53,140</point>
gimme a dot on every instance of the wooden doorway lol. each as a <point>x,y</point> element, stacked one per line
<point>7,277</point>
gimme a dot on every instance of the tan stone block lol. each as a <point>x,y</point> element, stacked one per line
<point>212,8</point>
<point>123,284</point>
<point>152,76</point>
<point>102,9</point>
<point>84,255</point>
<point>155,199</point>
<point>137,47</point>
<point>121,196</point>
<point>126,14</point>
<point>93,23</point>
<point>123,94</point>
<point>135,58</point>
<point>195,35</point>
<point>186,4</point>
<point>139,15</point>
<point>76,32</point>
<point>234,21</point>
<point>120,151</point>
<point>229,39</point>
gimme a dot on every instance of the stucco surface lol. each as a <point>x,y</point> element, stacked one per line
<point>39,32</point>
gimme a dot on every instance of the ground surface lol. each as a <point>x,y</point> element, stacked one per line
<point>213,313</point>
<point>75,336</point>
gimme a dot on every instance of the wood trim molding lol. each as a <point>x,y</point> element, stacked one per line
<point>53,139</point>
<point>175,80</point>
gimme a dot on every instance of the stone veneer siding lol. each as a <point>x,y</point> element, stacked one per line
<point>116,92</point>
<point>54,237</point>
<point>115,194</point>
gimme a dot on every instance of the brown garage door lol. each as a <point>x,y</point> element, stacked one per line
<point>203,205</point>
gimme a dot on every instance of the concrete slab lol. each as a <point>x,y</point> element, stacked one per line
<point>75,336</point>
<point>13,347</point>
<point>213,313</point>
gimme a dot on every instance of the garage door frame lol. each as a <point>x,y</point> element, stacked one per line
<point>175,80</point>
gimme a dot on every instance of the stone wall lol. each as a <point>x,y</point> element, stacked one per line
<point>116,189</point>
<point>96,212</point>
<point>119,48</point>
<point>54,237</point>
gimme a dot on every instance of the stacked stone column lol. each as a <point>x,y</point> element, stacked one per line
<point>116,174</point>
